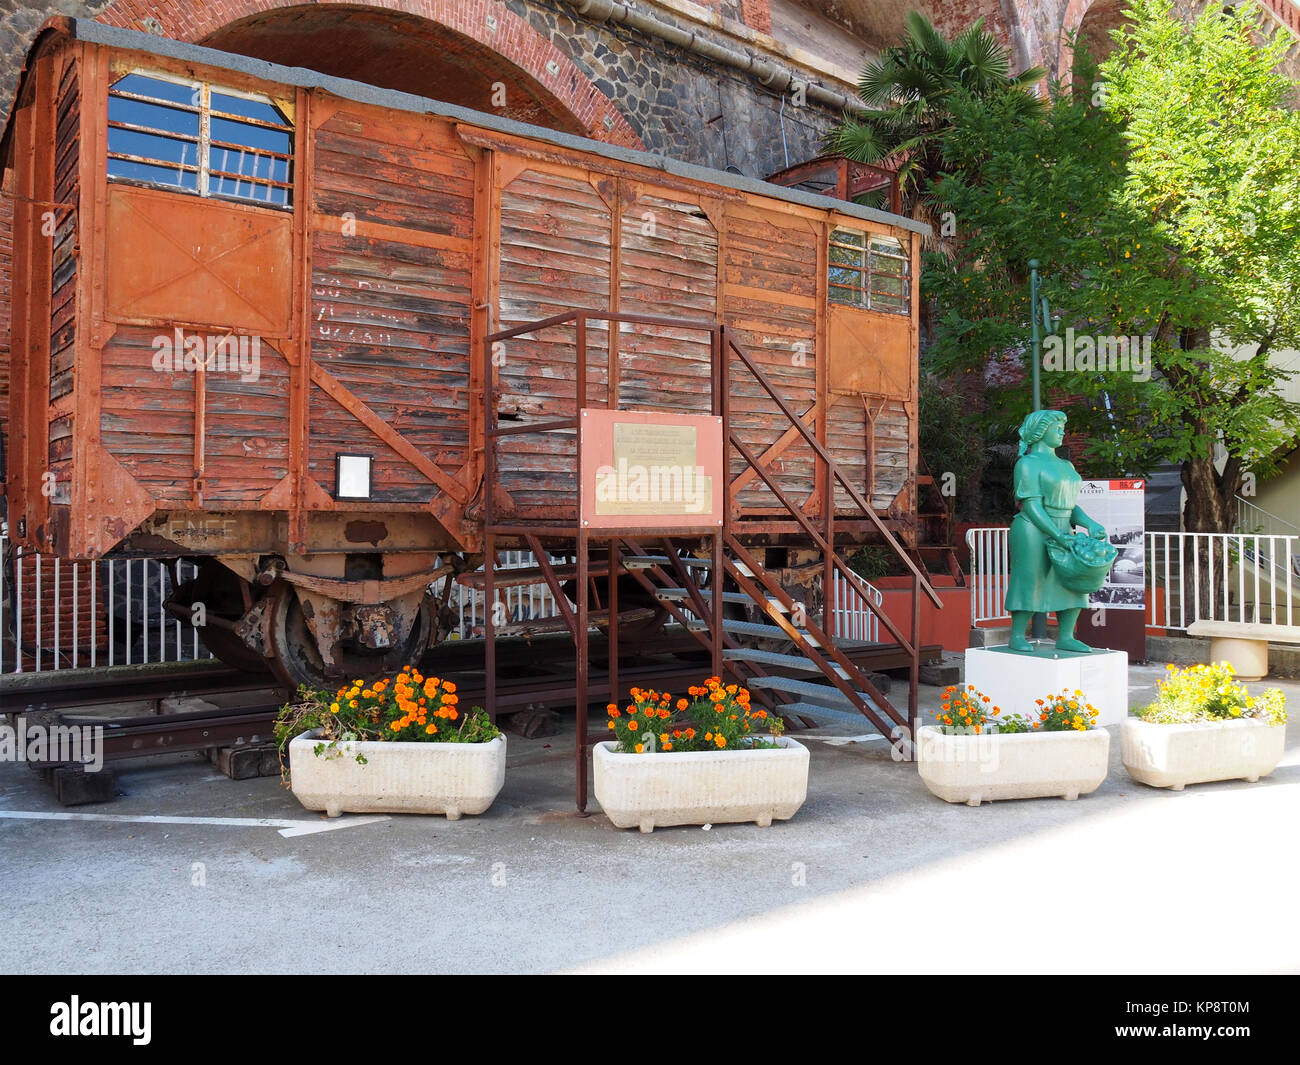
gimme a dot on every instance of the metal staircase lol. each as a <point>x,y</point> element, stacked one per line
<point>702,579</point>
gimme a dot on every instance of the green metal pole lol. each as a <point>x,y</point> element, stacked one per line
<point>1038,626</point>
<point>1036,342</point>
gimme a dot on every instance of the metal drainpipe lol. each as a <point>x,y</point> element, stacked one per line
<point>771,76</point>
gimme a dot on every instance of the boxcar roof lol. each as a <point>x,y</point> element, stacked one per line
<point>115,37</point>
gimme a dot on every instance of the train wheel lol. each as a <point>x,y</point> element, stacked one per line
<point>295,657</point>
<point>218,589</point>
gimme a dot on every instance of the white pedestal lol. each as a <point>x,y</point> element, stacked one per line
<point>1013,681</point>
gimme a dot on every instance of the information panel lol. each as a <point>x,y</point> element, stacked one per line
<point>1120,506</point>
<point>640,469</point>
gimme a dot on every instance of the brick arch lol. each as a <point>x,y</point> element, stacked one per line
<point>574,103</point>
<point>1105,15</point>
<point>1072,20</point>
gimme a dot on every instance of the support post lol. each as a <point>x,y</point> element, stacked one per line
<point>1038,624</point>
<point>489,623</point>
<point>580,691</point>
<point>914,671</point>
<point>614,554</point>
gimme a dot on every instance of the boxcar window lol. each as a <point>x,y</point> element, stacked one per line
<point>200,139</point>
<point>870,271</point>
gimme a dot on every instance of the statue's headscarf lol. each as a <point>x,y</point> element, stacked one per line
<point>1035,427</point>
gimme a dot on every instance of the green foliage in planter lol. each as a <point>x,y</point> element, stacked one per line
<point>408,707</point>
<point>1210,693</point>
<point>717,717</point>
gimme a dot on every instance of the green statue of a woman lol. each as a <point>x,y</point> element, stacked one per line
<point>1050,570</point>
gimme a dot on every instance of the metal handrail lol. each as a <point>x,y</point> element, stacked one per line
<point>833,470</point>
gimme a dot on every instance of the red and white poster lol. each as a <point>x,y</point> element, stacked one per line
<point>1119,505</point>
<point>1116,614</point>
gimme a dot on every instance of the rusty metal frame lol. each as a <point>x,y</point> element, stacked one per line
<point>759,585</point>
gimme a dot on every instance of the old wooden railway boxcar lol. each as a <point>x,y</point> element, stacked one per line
<point>249,315</point>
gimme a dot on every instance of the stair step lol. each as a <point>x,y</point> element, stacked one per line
<point>727,597</point>
<point>650,561</point>
<point>776,660</point>
<point>754,628</point>
<point>811,691</point>
<point>529,575</point>
<point>849,717</point>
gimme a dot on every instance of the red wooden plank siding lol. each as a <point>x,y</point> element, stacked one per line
<point>390,314</point>
<point>669,267</point>
<point>147,417</point>
<point>555,257</point>
<point>770,302</point>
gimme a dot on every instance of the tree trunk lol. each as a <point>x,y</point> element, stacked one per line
<point>1210,508</point>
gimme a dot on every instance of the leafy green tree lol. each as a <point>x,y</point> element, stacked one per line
<point>1163,204</point>
<point>905,94</point>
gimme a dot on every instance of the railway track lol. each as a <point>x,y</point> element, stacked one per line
<point>162,709</point>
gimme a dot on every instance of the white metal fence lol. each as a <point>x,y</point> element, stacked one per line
<point>1221,577</point>
<point>853,619</point>
<point>528,602</point>
<point>1189,577</point>
<point>56,614</point>
<point>988,573</point>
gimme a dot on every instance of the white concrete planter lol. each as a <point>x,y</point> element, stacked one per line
<point>1023,765</point>
<point>1173,756</point>
<point>700,787</point>
<point>397,777</point>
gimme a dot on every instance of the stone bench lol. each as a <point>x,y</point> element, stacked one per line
<point>1244,644</point>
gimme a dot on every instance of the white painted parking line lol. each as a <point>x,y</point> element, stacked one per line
<point>287,827</point>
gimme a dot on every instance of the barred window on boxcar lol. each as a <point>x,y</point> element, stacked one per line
<point>870,271</point>
<point>200,139</point>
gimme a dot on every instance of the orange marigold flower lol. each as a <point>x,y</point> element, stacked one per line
<point>639,748</point>
<point>682,704</point>
<point>431,730</point>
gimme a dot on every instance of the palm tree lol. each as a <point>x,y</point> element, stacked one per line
<point>906,92</point>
